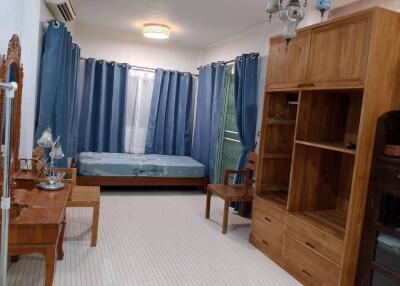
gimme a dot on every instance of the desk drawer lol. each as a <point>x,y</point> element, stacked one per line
<point>267,238</point>
<point>309,265</point>
<point>314,239</point>
<point>269,214</point>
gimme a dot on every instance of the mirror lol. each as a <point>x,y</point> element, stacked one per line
<point>11,70</point>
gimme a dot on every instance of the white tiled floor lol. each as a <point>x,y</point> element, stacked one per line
<point>155,239</point>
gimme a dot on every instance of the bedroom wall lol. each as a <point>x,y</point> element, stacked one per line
<point>23,17</point>
<point>125,47</point>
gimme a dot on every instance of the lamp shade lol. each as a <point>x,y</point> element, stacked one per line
<point>56,152</point>
<point>46,140</point>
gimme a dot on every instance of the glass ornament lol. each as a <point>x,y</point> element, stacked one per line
<point>295,13</point>
<point>323,6</point>
<point>289,31</point>
<point>272,7</point>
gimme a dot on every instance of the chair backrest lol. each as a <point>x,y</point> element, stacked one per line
<point>252,162</point>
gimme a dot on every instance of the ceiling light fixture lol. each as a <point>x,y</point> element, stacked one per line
<point>156,31</point>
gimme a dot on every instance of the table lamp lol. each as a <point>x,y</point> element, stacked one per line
<point>46,141</point>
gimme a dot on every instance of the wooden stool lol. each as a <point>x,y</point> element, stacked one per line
<point>87,197</point>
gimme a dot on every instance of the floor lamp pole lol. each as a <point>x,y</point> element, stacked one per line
<point>5,200</point>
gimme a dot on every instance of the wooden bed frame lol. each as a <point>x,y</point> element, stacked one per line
<point>142,181</point>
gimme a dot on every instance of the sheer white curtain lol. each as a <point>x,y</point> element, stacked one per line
<point>140,90</point>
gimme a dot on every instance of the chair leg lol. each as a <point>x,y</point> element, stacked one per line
<point>95,224</point>
<point>225,220</point>
<point>208,204</point>
<point>242,211</point>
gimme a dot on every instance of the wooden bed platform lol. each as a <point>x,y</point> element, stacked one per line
<point>142,181</point>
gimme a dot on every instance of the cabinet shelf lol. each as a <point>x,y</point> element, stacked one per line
<point>330,221</point>
<point>273,188</point>
<point>285,156</point>
<point>279,200</point>
<point>290,122</point>
<point>333,146</point>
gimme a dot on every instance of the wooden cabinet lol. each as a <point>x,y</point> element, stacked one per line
<point>334,54</point>
<point>316,145</point>
<point>289,63</point>
<point>339,52</point>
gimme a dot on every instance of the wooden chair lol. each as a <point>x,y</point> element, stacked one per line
<point>234,193</point>
<point>83,197</point>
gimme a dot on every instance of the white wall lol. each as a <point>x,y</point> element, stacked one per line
<point>125,47</point>
<point>22,17</point>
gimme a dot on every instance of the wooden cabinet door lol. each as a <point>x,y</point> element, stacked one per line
<point>339,52</point>
<point>287,64</point>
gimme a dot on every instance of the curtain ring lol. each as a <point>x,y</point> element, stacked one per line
<point>73,46</point>
<point>215,65</point>
<point>56,24</point>
<point>253,56</point>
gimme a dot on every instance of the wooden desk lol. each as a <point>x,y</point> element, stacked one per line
<point>40,227</point>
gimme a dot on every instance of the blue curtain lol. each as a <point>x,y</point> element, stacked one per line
<point>57,86</point>
<point>246,75</point>
<point>102,118</point>
<point>171,120</point>
<point>209,97</point>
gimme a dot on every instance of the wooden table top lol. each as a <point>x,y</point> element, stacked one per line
<point>42,207</point>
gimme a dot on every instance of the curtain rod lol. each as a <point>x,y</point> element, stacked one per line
<point>142,68</point>
<point>231,62</point>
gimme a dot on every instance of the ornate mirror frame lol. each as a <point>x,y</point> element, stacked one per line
<point>13,59</point>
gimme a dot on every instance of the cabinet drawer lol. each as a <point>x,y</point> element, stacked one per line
<point>312,238</point>
<point>269,214</point>
<point>309,265</point>
<point>267,238</point>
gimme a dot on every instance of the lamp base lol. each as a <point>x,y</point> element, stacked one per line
<point>46,186</point>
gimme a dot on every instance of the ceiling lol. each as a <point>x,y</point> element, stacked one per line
<point>195,22</point>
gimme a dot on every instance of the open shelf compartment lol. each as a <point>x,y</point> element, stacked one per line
<point>281,113</point>
<point>330,119</point>
<point>320,187</point>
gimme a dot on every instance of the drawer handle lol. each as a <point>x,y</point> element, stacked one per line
<point>310,245</point>
<point>267,219</point>
<point>307,273</point>
<point>266,243</point>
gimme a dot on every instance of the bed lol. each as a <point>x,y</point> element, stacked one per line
<point>116,169</point>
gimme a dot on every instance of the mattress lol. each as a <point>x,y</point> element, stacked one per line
<point>138,165</point>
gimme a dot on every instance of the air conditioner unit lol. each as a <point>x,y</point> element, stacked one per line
<point>61,9</point>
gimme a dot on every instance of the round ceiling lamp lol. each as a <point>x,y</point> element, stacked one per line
<point>156,31</point>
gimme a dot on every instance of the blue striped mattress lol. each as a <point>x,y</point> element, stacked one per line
<point>138,165</point>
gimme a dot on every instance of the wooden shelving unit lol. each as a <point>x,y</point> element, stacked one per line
<point>311,188</point>
<point>339,147</point>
